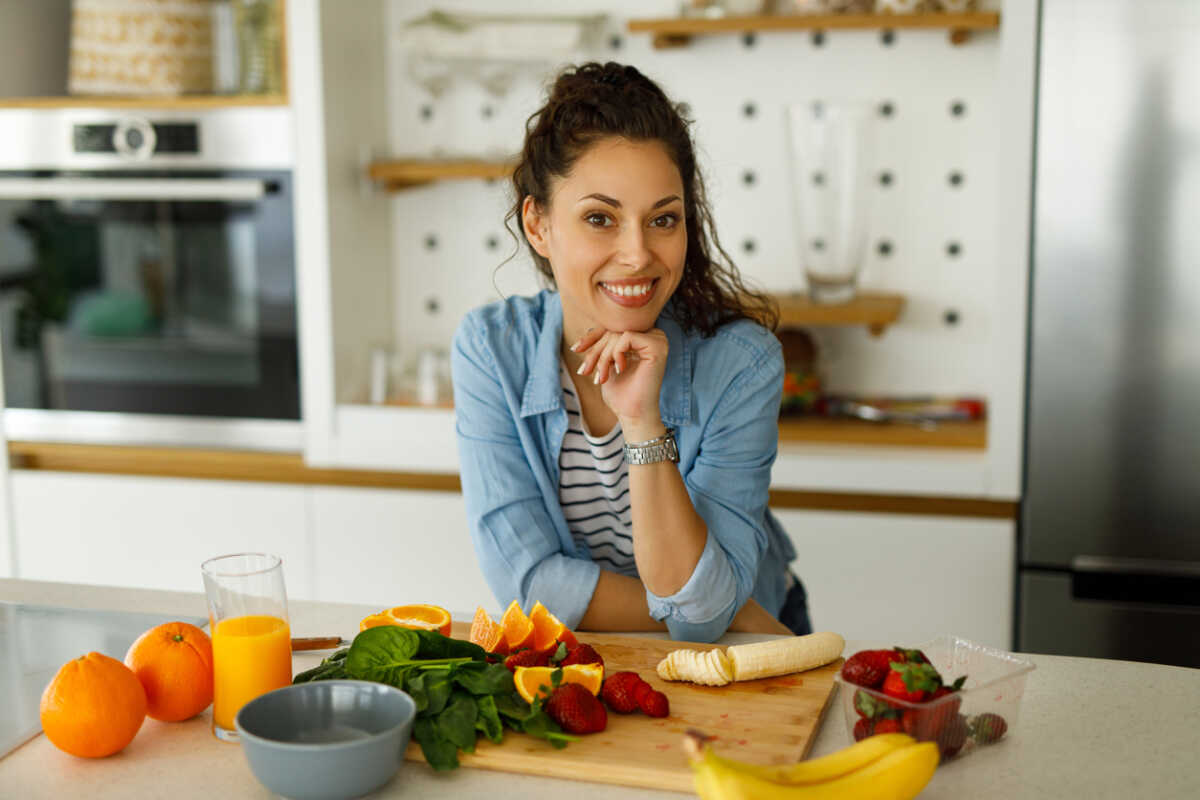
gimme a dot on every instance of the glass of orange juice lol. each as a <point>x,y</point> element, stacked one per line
<point>251,640</point>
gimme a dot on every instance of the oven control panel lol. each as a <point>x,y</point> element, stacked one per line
<point>137,138</point>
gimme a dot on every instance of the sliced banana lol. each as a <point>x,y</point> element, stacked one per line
<point>708,667</point>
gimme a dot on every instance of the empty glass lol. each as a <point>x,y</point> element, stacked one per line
<point>831,148</point>
<point>251,640</point>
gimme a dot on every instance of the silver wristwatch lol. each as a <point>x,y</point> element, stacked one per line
<point>649,452</point>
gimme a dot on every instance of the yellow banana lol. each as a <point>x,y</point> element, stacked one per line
<point>898,775</point>
<point>828,767</point>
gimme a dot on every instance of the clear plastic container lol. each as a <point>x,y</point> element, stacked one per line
<point>984,711</point>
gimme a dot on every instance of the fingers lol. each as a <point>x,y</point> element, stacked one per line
<point>589,338</point>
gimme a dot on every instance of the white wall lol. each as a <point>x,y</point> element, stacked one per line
<point>34,42</point>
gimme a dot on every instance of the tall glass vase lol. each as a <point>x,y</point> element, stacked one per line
<point>831,150</point>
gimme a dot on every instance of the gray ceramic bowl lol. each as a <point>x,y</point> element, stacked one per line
<point>326,739</point>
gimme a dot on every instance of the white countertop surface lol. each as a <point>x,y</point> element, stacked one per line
<point>1088,728</point>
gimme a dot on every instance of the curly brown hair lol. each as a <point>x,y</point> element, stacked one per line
<point>594,101</point>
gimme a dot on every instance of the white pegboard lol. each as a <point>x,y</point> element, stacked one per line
<point>920,214</point>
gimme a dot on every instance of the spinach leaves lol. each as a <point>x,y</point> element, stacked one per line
<point>459,695</point>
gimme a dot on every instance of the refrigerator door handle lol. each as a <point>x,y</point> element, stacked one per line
<point>1136,580</point>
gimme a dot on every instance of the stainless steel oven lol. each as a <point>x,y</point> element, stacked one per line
<point>147,277</point>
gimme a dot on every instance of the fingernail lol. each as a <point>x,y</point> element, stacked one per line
<point>596,379</point>
<point>575,347</point>
<point>617,367</point>
<point>580,370</point>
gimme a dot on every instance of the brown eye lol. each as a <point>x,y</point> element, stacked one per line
<point>596,219</point>
<point>665,221</point>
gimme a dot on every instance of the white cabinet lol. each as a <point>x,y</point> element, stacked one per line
<point>153,532</point>
<point>387,547</point>
<point>903,579</point>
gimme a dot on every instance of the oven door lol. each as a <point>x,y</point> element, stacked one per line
<point>168,294</point>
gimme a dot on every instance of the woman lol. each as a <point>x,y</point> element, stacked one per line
<point>616,435</point>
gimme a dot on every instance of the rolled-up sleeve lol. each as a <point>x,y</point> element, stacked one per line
<point>515,539</point>
<point>728,485</point>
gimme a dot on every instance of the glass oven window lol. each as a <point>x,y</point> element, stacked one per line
<point>177,303</point>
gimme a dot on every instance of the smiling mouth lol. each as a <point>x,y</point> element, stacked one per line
<point>630,295</point>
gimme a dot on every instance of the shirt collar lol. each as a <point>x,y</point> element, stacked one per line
<point>543,391</point>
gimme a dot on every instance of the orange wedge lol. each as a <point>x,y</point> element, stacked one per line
<point>424,617</point>
<point>372,620</point>
<point>532,681</point>
<point>547,630</point>
<point>518,630</point>
<point>486,633</point>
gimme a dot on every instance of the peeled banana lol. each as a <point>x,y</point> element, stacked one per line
<point>747,662</point>
<point>900,773</point>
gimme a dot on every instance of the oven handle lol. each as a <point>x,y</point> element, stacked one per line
<point>132,188</point>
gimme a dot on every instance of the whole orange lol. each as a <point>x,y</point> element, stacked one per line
<point>174,662</point>
<point>93,707</point>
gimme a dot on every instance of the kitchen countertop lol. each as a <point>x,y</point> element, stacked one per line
<point>1088,728</point>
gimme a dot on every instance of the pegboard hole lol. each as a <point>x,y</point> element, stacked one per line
<point>426,112</point>
<point>749,40</point>
<point>958,108</point>
<point>615,42</point>
<point>432,305</point>
<point>951,317</point>
<point>887,108</point>
<point>953,249</point>
<point>818,38</point>
<point>491,242</point>
<point>749,246</point>
<point>956,178</point>
<point>887,37</point>
<point>886,178</point>
<point>749,109</point>
<point>817,244</point>
<point>749,178</point>
<point>818,178</point>
<point>884,248</point>
<point>818,108</point>
<point>431,241</point>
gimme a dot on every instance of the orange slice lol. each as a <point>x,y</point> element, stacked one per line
<point>547,630</point>
<point>424,617</point>
<point>486,633</point>
<point>532,681</point>
<point>518,630</point>
<point>372,620</point>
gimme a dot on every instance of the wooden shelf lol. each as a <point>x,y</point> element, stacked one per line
<point>679,31</point>
<point>196,102</point>
<point>403,173</point>
<point>822,430</point>
<point>876,310</point>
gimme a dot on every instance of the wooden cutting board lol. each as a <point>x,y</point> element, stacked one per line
<point>768,721</point>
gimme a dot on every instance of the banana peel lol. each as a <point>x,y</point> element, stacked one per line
<point>896,767</point>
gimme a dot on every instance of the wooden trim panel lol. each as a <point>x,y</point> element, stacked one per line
<point>234,465</point>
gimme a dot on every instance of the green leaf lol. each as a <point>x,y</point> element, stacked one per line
<point>438,751</point>
<point>559,654</point>
<point>556,677</point>
<point>438,687</point>
<point>456,722</point>
<point>479,678</point>
<point>380,653</point>
<point>512,706</point>
<point>539,725</point>
<point>958,683</point>
<point>488,722</point>
<point>870,706</point>
<point>321,672</point>
<point>916,676</point>
<point>433,645</point>
<point>414,684</point>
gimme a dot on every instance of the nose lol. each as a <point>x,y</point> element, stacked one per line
<point>633,249</point>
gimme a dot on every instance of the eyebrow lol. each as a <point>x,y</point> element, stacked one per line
<point>603,198</point>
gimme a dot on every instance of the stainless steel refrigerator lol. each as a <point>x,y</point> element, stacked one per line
<point>1110,520</point>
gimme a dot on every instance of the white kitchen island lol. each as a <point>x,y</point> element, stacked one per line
<point>1088,728</point>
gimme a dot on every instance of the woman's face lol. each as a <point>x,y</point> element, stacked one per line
<point>614,235</point>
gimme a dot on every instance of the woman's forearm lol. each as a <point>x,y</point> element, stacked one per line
<point>619,604</point>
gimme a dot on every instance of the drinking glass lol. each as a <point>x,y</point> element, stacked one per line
<point>251,639</point>
<point>831,147</point>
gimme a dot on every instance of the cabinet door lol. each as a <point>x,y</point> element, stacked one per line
<point>153,532</point>
<point>389,546</point>
<point>903,579</point>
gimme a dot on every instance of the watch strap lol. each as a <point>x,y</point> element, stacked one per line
<point>651,451</point>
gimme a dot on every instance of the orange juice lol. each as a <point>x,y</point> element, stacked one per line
<point>251,656</point>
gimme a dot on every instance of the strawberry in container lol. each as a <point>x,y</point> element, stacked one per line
<point>904,690</point>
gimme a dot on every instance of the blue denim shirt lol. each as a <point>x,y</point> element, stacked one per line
<point>721,394</point>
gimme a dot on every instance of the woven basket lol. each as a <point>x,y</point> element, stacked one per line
<point>142,47</point>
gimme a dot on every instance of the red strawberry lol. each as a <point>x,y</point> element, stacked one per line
<point>869,667</point>
<point>654,704</point>
<point>527,658</point>
<point>862,729</point>
<point>953,736</point>
<point>987,728</point>
<point>927,724</point>
<point>887,725</point>
<point>911,682</point>
<point>618,691</point>
<point>583,654</point>
<point>576,709</point>
<point>640,691</point>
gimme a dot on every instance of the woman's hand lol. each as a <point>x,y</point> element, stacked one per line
<point>629,367</point>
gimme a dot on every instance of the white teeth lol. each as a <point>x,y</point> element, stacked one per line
<point>628,290</point>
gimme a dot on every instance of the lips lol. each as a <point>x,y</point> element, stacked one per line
<point>630,294</point>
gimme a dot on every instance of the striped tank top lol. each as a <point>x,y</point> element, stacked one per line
<point>593,488</point>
